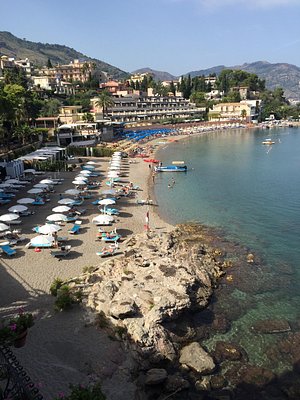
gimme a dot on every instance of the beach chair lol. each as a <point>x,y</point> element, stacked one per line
<point>75,229</point>
<point>72,218</point>
<point>38,203</point>
<point>109,211</point>
<point>7,250</point>
<point>62,252</point>
<point>107,251</point>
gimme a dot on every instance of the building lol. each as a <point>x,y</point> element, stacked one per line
<point>247,110</point>
<point>87,133</point>
<point>70,114</point>
<point>9,63</point>
<point>149,108</point>
<point>52,84</point>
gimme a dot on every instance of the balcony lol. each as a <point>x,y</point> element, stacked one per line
<point>15,384</point>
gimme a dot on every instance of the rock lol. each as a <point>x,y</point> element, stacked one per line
<point>155,376</point>
<point>203,384</point>
<point>250,258</point>
<point>229,351</point>
<point>176,383</point>
<point>196,358</point>
<point>271,326</point>
<point>122,309</point>
<point>218,382</point>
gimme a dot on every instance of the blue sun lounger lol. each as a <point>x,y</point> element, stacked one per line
<point>8,250</point>
<point>75,229</point>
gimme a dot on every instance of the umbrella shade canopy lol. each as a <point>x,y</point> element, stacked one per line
<point>103,219</point>
<point>41,240</point>
<point>106,202</point>
<point>3,227</point>
<point>48,229</point>
<point>13,181</point>
<point>25,200</point>
<point>56,217</point>
<point>6,185</point>
<point>61,209</point>
<point>78,183</point>
<point>18,208</point>
<point>29,170</point>
<point>72,192</point>
<point>91,162</point>
<point>41,185</point>
<point>9,217</point>
<point>66,201</point>
<point>113,174</point>
<point>35,191</point>
<point>85,172</point>
<point>81,178</point>
<point>47,181</point>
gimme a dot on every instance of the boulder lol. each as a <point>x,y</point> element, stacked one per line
<point>196,358</point>
<point>271,326</point>
<point>155,376</point>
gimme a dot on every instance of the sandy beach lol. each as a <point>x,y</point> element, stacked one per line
<point>63,347</point>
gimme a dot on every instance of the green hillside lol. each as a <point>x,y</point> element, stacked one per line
<point>39,53</point>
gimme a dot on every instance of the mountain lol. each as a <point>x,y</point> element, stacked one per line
<point>158,75</point>
<point>282,75</point>
<point>39,53</point>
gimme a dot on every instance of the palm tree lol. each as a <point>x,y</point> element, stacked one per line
<point>104,101</point>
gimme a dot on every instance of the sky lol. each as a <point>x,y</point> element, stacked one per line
<point>177,36</point>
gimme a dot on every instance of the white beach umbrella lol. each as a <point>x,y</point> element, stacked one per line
<point>13,181</point>
<point>6,185</point>
<point>85,172</point>
<point>66,201</point>
<point>81,177</point>
<point>72,192</point>
<point>48,229</point>
<point>79,183</point>
<point>41,240</point>
<point>113,174</point>
<point>18,208</point>
<point>106,202</point>
<point>103,219</point>
<point>25,200</point>
<point>91,162</point>
<point>61,209</point>
<point>56,217</point>
<point>3,227</point>
<point>29,171</point>
<point>35,191</point>
<point>47,181</point>
<point>41,185</point>
<point>9,217</point>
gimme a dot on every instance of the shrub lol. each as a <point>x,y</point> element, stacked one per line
<point>65,295</point>
<point>56,284</point>
<point>80,392</point>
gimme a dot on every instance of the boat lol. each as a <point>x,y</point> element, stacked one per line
<point>268,142</point>
<point>171,168</point>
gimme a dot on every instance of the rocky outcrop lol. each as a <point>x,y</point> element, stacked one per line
<point>160,276</point>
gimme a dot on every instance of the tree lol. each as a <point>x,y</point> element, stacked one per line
<point>49,63</point>
<point>104,101</point>
<point>50,108</point>
<point>88,117</point>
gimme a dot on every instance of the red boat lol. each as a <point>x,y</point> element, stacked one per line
<point>151,160</point>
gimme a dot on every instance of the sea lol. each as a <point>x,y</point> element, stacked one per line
<point>249,193</point>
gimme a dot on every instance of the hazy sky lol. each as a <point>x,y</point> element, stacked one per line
<point>177,36</point>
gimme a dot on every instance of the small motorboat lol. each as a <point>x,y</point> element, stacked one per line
<point>171,168</point>
<point>268,142</point>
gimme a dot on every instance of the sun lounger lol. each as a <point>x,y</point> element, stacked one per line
<point>4,201</point>
<point>7,250</point>
<point>107,251</point>
<point>62,239</point>
<point>64,250</point>
<point>77,203</point>
<point>75,229</point>
<point>38,203</point>
<point>109,211</point>
<point>112,238</point>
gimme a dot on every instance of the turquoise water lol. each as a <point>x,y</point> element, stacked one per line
<point>252,193</point>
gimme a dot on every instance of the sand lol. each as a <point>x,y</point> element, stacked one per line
<point>62,347</point>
